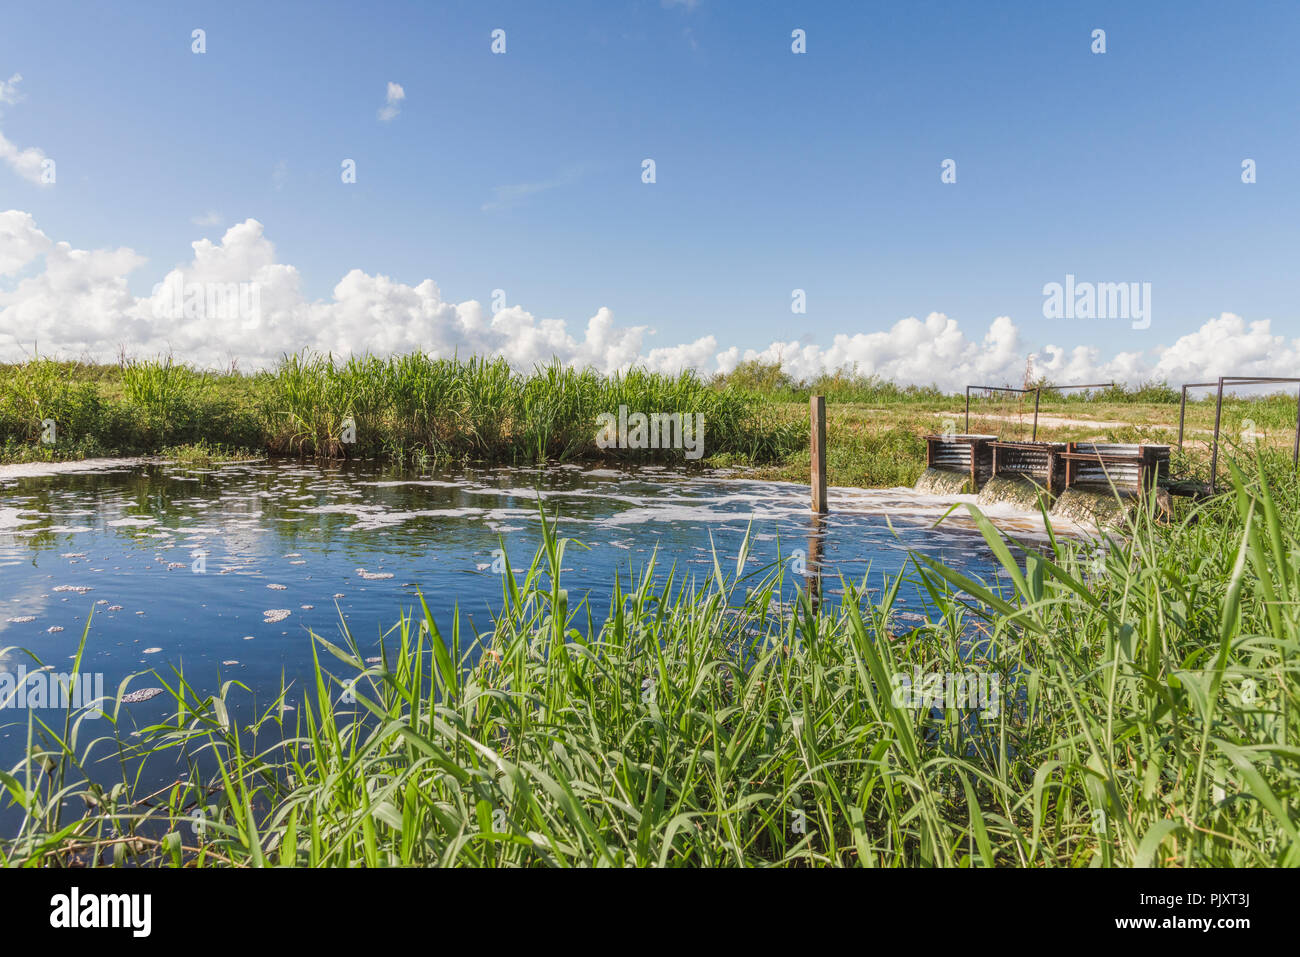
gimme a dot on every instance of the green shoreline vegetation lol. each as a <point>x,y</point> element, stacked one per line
<point>1150,707</point>
<point>407,410</point>
<point>413,410</point>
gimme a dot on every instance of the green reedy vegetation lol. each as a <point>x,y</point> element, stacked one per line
<point>405,408</point>
<point>1150,714</point>
<point>480,409</point>
<point>135,407</point>
<point>412,409</point>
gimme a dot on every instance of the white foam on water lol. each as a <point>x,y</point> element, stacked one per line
<point>378,516</point>
<point>429,483</point>
<point>545,494</point>
<point>41,469</point>
<point>13,518</point>
<point>61,529</point>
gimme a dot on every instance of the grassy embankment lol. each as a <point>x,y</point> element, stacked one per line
<point>1149,715</point>
<point>875,428</point>
<point>421,411</point>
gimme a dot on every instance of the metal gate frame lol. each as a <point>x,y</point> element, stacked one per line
<point>1005,388</point>
<point>1218,413</point>
<point>1037,391</point>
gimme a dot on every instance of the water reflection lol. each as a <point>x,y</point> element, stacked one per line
<point>222,570</point>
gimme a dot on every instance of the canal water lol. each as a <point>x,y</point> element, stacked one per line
<point>222,571</point>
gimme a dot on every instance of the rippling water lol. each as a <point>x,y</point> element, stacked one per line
<point>223,570</point>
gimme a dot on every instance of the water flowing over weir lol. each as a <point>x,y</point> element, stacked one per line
<point>1086,483</point>
<point>1081,506</point>
<point>1088,505</point>
<point>942,482</point>
<point>1078,506</point>
<point>1004,490</point>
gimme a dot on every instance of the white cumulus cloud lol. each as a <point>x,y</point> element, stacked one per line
<point>77,302</point>
<point>28,163</point>
<point>9,89</point>
<point>395,96</point>
<point>20,241</point>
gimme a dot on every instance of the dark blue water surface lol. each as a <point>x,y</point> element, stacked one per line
<point>177,564</point>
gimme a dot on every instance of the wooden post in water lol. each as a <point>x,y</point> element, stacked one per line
<point>817,409</point>
<point>813,565</point>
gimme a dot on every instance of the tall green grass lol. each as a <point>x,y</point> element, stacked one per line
<point>408,408</point>
<point>415,409</point>
<point>436,409</point>
<point>1150,716</point>
<point>137,406</point>
<point>43,390</point>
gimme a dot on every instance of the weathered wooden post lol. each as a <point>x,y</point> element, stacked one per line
<point>817,409</point>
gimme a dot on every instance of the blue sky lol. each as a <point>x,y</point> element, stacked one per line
<point>775,171</point>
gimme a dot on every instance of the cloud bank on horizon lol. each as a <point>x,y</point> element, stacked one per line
<point>77,303</point>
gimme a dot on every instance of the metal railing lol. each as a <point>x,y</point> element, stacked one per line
<point>1004,388</point>
<point>1036,390</point>
<point>1218,414</point>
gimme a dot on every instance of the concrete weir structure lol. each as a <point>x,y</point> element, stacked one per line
<point>1020,471</point>
<point>967,455</point>
<point>1037,462</point>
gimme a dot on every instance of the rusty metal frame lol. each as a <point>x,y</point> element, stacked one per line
<point>1005,388</point>
<point>1232,380</point>
<point>1038,393</point>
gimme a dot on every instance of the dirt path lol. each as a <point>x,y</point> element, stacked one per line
<point>1056,421</point>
